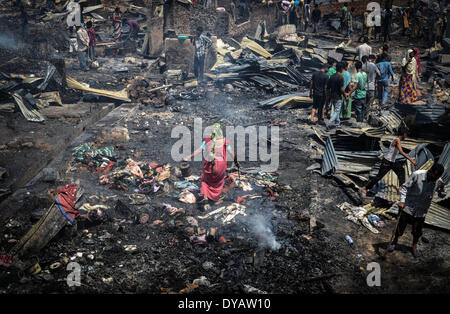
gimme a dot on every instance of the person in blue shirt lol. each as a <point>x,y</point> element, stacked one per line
<point>383,80</point>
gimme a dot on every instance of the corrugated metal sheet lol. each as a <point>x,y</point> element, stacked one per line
<point>408,143</point>
<point>351,162</point>
<point>444,160</point>
<point>387,188</point>
<point>391,120</point>
<point>425,114</point>
<point>438,216</point>
<point>329,159</point>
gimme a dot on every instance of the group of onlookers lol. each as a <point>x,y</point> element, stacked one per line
<point>335,91</point>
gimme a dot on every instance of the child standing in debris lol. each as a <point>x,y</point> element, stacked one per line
<point>92,40</point>
<point>73,42</point>
<point>215,150</point>
<point>389,162</point>
<point>201,43</point>
<point>316,16</point>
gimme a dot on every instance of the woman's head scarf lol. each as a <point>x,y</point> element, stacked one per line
<point>216,134</point>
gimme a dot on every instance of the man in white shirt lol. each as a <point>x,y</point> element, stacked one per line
<point>415,199</point>
<point>363,50</point>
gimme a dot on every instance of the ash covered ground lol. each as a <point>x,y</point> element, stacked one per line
<point>290,240</point>
<point>311,258</point>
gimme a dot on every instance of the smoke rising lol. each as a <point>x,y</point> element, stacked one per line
<point>8,41</point>
<point>261,227</point>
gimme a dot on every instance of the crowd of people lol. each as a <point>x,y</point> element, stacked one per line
<point>83,38</point>
<point>334,90</point>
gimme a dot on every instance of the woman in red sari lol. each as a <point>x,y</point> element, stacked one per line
<point>215,150</point>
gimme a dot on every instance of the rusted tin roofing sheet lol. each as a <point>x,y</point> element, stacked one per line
<point>425,114</point>
<point>329,159</point>
<point>438,216</point>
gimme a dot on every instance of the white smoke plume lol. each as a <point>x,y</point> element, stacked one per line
<point>261,227</point>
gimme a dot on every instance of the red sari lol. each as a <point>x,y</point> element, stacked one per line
<point>212,181</point>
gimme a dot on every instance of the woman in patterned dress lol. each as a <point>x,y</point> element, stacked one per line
<point>408,81</point>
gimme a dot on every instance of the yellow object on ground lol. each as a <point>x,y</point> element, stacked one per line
<point>294,100</point>
<point>119,95</point>
<point>252,45</point>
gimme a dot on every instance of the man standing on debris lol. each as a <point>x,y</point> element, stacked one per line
<point>316,16</point>
<point>233,10</point>
<point>387,24</point>
<point>405,21</point>
<point>317,91</point>
<point>389,162</point>
<point>73,41</point>
<point>92,40</point>
<point>344,16</point>
<point>359,87</point>
<point>134,28</point>
<point>307,13</point>
<point>83,46</point>
<point>366,28</point>
<point>299,14</point>
<point>415,200</point>
<point>385,69</point>
<point>335,87</point>
<point>363,49</point>
<point>24,18</point>
<point>372,73</point>
<point>201,43</point>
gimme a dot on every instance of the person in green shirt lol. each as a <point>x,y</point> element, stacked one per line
<point>332,69</point>
<point>359,87</point>
<point>344,16</point>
